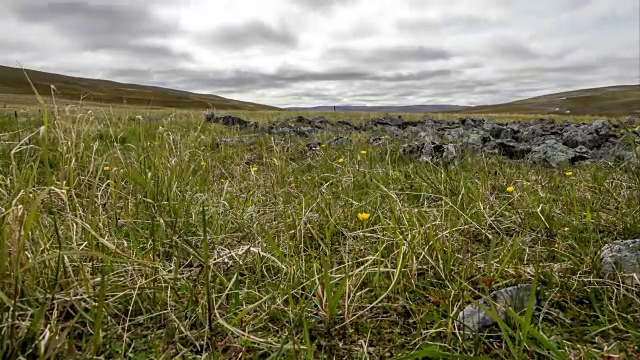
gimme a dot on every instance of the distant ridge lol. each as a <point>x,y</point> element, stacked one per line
<point>619,100</point>
<point>410,109</point>
<point>13,82</point>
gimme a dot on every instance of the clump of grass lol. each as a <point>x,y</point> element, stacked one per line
<point>148,240</point>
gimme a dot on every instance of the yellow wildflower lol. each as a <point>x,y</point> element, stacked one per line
<point>363,152</point>
<point>569,173</point>
<point>511,189</point>
<point>363,216</point>
<point>107,168</point>
<point>202,163</point>
<point>341,160</point>
<point>254,169</point>
<point>566,229</point>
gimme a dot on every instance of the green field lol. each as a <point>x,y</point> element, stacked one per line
<point>153,240</point>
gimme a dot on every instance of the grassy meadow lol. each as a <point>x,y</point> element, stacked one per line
<point>153,241</point>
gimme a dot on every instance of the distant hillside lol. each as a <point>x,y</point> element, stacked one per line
<point>411,109</point>
<point>13,82</point>
<point>613,101</point>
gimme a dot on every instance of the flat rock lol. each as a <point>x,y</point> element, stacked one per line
<point>621,260</point>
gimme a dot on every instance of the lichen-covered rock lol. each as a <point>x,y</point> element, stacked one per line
<point>429,151</point>
<point>474,319</point>
<point>591,135</point>
<point>554,153</point>
<point>621,260</point>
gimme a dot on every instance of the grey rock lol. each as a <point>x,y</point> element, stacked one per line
<point>232,141</point>
<point>227,120</point>
<point>553,152</point>
<point>377,140</point>
<point>345,123</point>
<point>532,134</point>
<point>591,135</point>
<point>340,141</point>
<point>474,319</point>
<point>475,138</point>
<point>454,135</point>
<point>430,151</point>
<point>148,118</point>
<point>513,149</point>
<point>621,260</point>
<point>312,146</point>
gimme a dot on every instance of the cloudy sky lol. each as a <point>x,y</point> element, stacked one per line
<point>327,52</point>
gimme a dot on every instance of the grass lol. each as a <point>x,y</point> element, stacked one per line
<point>128,240</point>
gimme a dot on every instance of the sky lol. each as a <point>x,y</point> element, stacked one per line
<point>333,52</point>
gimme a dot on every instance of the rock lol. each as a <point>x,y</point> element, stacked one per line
<point>475,138</point>
<point>591,135</point>
<point>512,149</point>
<point>473,319</point>
<point>388,120</point>
<point>319,122</point>
<point>228,120</point>
<point>429,151</point>
<point>284,130</point>
<point>340,141</point>
<point>533,134</point>
<point>377,140</point>
<point>621,260</point>
<point>471,121</point>
<point>498,131</point>
<point>345,123</point>
<point>313,146</point>
<point>148,118</point>
<point>554,153</point>
<point>232,141</point>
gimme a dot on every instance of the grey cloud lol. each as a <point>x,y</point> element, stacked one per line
<point>420,25</point>
<point>513,50</point>
<point>283,78</point>
<point>253,34</point>
<point>125,27</point>
<point>322,4</point>
<point>390,55</point>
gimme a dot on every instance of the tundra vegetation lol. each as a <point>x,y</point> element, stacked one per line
<point>172,236</point>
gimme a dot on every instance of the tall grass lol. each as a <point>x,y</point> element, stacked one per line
<point>153,241</point>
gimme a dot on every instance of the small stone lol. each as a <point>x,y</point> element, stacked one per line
<point>621,260</point>
<point>340,141</point>
<point>473,319</point>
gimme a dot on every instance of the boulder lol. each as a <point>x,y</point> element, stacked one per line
<point>591,136</point>
<point>553,152</point>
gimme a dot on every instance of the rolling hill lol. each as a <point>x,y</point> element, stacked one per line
<point>410,109</point>
<point>14,82</point>
<point>612,101</point>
